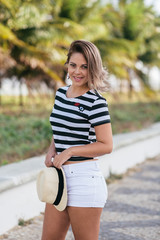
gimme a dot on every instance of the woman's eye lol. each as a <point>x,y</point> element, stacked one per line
<point>72,65</point>
<point>84,67</point>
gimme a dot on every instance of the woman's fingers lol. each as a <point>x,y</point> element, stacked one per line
<point>49,161</point>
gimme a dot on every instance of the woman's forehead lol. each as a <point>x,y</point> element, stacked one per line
<point>77,58</point>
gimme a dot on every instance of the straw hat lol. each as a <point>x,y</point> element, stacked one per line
<point>52,188</point>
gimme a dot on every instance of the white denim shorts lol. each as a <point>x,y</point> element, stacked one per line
<point>86,186</point>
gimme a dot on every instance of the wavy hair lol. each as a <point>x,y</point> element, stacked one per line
<point>97,74</point>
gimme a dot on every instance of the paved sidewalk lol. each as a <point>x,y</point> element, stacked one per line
<point>131,213</point>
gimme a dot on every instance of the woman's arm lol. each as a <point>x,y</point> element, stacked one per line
<point>51,153</point>
<point>103,146</point>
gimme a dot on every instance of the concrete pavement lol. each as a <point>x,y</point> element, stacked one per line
<point>131,213</point>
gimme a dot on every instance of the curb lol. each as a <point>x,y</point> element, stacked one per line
<point>16,174</point>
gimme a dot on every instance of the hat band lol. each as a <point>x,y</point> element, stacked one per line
<point>60,187</point>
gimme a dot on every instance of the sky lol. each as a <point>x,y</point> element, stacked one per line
<point>155,3</point>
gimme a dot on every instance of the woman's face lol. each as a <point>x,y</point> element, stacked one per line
<point>78,70</point>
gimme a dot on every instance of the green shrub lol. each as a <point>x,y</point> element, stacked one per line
<point>26,132</point>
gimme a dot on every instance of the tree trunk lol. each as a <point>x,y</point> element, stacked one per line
<point>0,92</point>
<point>20,92</point>
<point>130,92</point>
<point>130,86</point>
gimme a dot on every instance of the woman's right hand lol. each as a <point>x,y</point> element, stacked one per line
<point>48,159</point>
<point>50,154</point>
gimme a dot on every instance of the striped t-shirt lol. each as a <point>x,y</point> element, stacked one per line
<point>73,119</point>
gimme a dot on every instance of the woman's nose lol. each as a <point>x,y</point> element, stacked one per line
<point>77,70</point>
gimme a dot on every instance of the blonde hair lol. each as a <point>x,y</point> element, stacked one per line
<point>97,75</point>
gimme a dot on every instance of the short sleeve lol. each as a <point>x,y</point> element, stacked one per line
<point>99,113</point>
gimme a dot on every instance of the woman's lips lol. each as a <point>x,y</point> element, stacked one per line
<point>78,79</point>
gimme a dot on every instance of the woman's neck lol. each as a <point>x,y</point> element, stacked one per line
<point>76,91</point>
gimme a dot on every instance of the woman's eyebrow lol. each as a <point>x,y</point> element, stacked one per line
<point>85,64</point>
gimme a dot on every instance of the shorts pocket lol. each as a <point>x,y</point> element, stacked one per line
<point>83,185</point>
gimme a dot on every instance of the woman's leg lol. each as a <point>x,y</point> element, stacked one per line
<point>85,222</point>
<point>56,223</point>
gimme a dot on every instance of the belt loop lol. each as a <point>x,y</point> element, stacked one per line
<point>97,164</point>
<point>69,168</point>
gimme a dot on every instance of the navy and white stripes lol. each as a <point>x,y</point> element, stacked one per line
<point>73,119</point>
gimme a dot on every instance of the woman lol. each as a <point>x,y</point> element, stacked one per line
<point>81,132</point>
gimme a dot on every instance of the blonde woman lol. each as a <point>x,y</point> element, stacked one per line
<point>81,133</point>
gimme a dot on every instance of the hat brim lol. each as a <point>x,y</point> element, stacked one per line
<point>48,186</point>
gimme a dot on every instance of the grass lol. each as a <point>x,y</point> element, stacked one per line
<point>133,116</point>
<point>23,136</point>
<point>22,222</point>
<point>113,177</point>
<point>26,132</point>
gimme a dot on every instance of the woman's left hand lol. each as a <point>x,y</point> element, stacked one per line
<point>61,158</point>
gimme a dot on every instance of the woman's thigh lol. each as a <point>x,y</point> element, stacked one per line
<point>85,222</point>
<point>55,224</point>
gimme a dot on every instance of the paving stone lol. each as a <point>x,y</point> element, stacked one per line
<point>131,213</point>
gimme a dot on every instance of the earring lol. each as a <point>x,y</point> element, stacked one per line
<point>68,77</point>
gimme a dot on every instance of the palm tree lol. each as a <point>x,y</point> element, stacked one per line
<point>133,36</point>
<point>17,31</point>
<point>36,35</point>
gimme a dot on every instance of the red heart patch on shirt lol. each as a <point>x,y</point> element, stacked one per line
<point>76,104</point>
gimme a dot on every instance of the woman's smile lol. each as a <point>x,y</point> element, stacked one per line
<point>77,79</point>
